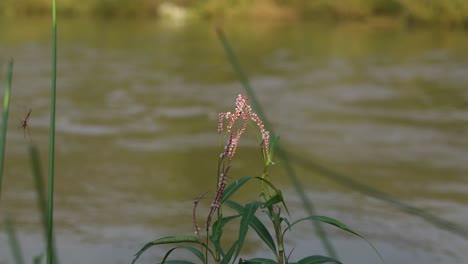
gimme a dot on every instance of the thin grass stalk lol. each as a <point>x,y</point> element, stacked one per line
<point>6,106</point>
<point>308,205</point>
<point>50,210</point>
<point>13,241</point>
<point>40,191</point>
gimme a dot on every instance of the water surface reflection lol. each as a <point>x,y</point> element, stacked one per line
<point>136,130</point>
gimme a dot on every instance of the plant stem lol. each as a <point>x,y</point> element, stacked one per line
<point>278,233</point>
<point>6,104</point>
<point>50,254</point>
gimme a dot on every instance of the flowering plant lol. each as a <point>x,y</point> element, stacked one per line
<point>209,238</point>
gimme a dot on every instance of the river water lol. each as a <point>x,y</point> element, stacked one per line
<point>136,138</point>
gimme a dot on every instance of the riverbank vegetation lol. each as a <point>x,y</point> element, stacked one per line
<point>428,12</point>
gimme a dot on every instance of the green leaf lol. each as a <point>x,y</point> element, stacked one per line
<point>263,233</point>
<point>239,208</point>
<point>277,198</point>
<point>257,225</point>
<point>178,262</point>
<point>233,187</point>
<point>287,222</point>
<point>195,251</point>
<point>334,222</point>
<point>247,215</point>
<point>218,232</point>
<point>227,258</point>
<point>317,260</point>
<point>219,224</point>
<point>169,240</point>
<point>273,142</point>
<point>217,244</point>
<point>259,261</point>
<point>277,191</point>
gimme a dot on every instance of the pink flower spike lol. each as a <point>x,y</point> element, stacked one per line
<point>244,111</point>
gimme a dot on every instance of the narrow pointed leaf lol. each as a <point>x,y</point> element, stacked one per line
<point>317,260</point>
<point>334,222</point>
<point>247,215</point>
<point>168,240</point>
<point>227,258</point>
<point>218,232</point>
<point>217,244</point>
<point>273,142</point>
<point>219,224</point>
<point>259,261</point>
<point>287,222</point>
<point>277,198</point>
<point>278,191</point>
<point>178,262</point>
<point>233,187</point>
<point>257,225</point>
<point>195,251</point>
<point>263,233</point>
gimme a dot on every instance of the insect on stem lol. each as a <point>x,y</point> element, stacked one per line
<point>24,124</point>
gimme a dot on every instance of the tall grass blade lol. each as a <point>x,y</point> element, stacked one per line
<point>40,191</point>
<point>13,241</point>
<point>308,205</point>
<point>6,106</point>
<point>50,209</point>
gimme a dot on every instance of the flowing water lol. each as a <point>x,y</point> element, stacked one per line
<point>136,138</point>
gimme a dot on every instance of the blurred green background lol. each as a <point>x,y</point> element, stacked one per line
<point>453,12</point>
